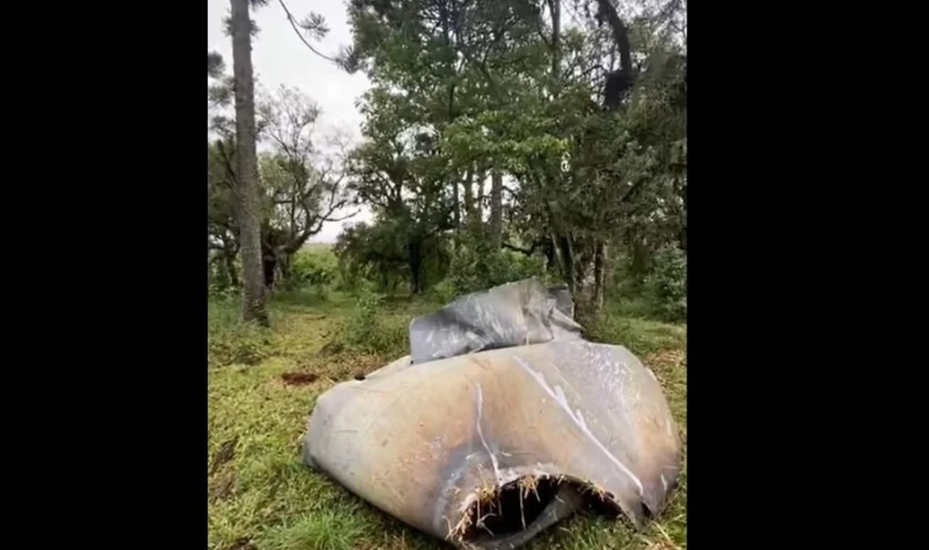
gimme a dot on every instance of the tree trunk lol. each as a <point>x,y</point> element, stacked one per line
<point>479,204</point>
<point>229,261</point>
<point>583,273</point>
<point>249,207</point>
<point>599,276</point>
<point>456,204</point>
<point>551,255</point>
<point>620,81</point>
<point>416,264</point>
<point>268,265</point>
<point>496,210</point>
<point>555,7</point>
<point>228,253</point>
<point>284,261</point>
<point>469,199</point>
<point>588,275</point>
<point>640,260</point>
<point>567,262</point>
<point>456,216</point>
<point>209,266</point>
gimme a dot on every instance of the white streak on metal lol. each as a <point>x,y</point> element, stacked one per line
<point>580,416</point>
<point>480,432</point>
<point>562,402</point>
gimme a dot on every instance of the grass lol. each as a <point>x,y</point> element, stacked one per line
<point>260,495</point>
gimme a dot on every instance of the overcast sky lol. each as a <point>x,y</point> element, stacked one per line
<point>279,57</point>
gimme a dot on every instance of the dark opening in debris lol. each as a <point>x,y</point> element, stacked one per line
<point>510,514</point>
<point>299,378</point>
<point>519,504</point>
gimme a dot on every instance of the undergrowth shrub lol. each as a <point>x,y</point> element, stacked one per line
<point>476,267</point>
<point>659,292</point>
<point>220,278</point>
<point>667,283</point>
<point>444,292</point>
<point>231,341</point>
<point>317,269</point>
<point>371,328</point>
<point>361,323</point>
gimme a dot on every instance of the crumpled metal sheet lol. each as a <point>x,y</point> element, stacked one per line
<point>515,314</point>
<point>486,449</point>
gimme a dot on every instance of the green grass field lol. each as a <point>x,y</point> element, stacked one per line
<point>262,386</point>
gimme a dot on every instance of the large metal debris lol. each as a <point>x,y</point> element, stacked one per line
<point>501,422</point>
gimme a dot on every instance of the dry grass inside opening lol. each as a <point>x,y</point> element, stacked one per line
<point>512,508</point>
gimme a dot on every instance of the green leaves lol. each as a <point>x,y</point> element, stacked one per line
<point>215,64</point>
<point>315,26</point>
<point>462,89</point>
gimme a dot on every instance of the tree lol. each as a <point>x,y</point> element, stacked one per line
<point>222,236</point>
<point>215,64</point>
<point>313,27</point>
<point>222,244</point>
<point>433,68</point>
<point>222,229</point>
<point>398,172</point>
<point>248,211</point>
<point>574,109</point>
<point>301,181</point>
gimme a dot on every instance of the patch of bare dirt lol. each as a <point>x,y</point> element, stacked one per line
<point>225,453</point>
<point>224,487</point>
<point>299,378</point>
<point>349,366</point>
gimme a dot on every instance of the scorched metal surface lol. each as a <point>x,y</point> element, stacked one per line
<point>488,448</point>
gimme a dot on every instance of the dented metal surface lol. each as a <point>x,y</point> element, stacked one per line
<point>515,314</point>
<point>488,448</point>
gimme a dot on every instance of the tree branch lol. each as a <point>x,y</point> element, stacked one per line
<point>620,33</point>
<point>293,23</point>
<point>314,227</point>
<point>386,257</point>
<point>527,251</point>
